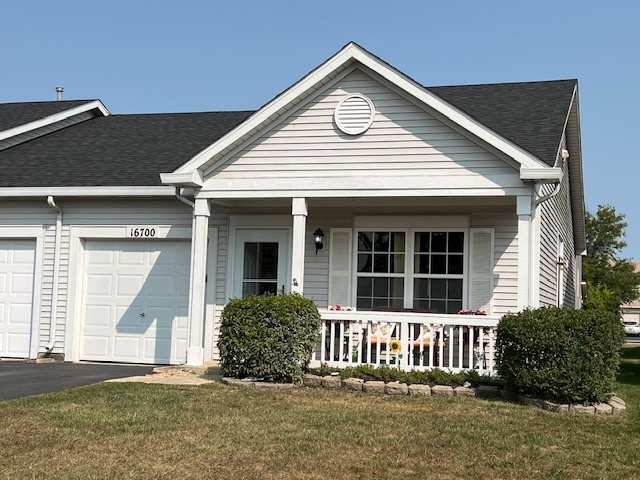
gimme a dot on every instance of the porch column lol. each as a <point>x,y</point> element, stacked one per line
<point>299,212</point>
<point>199,233</point>
<point>523,210</point>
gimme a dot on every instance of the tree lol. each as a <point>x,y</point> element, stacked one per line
<point>611,280</point>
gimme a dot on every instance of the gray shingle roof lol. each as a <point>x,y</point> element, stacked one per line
<point>530,114</point>
<point>116,150</point>
<point>16,114</point>
<point>125,150</point>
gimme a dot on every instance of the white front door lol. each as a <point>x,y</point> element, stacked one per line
<point>17,260</point>
<point>136,296</point>
<point>261,262</point>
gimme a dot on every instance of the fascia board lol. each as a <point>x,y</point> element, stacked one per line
<point>544,175</point>
<point>56,117</point>
<point>124,191</point>
<point>191,178</point>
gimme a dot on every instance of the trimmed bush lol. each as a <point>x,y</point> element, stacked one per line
<point>567,356</point>
<point>268,336</point>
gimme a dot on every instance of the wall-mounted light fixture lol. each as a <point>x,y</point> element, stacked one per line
<point>318,235</point>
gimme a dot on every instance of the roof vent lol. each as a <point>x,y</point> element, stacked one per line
<point>354,114</point>
<point>59,91</point>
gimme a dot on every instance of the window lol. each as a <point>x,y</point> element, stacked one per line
<point>430,278</point>
<point>380,270</point>
<point>438,270</point>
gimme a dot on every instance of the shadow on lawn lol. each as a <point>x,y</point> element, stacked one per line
<point>630,366</point>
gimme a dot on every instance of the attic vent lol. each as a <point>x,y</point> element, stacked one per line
<point>354,114</point>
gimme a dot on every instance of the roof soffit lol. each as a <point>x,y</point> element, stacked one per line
<point>326,74</point>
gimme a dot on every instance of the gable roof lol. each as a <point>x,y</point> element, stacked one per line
<point>116,150</point>
<point>16,114</point>
<point>525,118</point>
<point>352,54</point>
<point>530,114</point>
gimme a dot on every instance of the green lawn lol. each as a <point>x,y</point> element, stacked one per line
<point>214,431</point>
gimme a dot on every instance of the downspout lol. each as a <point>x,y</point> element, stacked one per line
<point>182,198</point>
<point>564,154</point>
<point>534,268</point>
<point>56,274</point>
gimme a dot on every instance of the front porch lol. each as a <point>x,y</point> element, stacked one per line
<point>407,340</point>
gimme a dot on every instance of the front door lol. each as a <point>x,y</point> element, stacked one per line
<point>261,262</point>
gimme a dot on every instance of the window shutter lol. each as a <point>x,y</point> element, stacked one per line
<point>340,266</point>
<point>481,269</point>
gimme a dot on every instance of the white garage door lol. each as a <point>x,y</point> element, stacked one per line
<point>135,301</point>
<point>17,259</point>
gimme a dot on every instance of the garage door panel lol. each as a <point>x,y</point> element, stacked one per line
<point>99,284</point>
<point>161,286</point>
<point>183,287</point>
<point>97,315</point>
<point>21,284</point>
<point>97,345</point>
<point>17,263</point>
<point>128,319</point>
<point>124,345</point>
<point>148,307</point>
<point>17,344</point>
<point>101,257</point>
<point>129,285</point>
<point>19,314</point>
<point>131,257</point>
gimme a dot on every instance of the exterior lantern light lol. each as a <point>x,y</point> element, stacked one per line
<point>318,235</point>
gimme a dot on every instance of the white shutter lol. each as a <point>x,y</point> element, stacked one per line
<point>340,266</point>
<point>481,269</point>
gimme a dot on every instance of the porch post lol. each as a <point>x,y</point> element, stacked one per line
<point>199,233</point>
<point>523,210</point>
<point>299,212</point>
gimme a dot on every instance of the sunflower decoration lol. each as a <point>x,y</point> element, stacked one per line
<point>395,347</point>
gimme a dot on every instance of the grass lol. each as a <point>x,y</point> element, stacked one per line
<point>157,431</point>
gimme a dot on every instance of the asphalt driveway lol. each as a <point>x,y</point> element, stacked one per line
<point>20,379</point>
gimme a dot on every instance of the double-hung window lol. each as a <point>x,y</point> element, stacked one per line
<point>415,268</point>
<point>380,269</point>
<point>438,271</point>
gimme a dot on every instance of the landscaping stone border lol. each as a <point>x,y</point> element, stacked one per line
<point>612,406</point>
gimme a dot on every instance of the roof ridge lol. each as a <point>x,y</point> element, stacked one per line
<point>531,82</point>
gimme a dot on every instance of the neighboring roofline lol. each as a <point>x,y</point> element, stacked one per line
<point>55,118</point>
<point>347,55</point>
<point>119,191</point>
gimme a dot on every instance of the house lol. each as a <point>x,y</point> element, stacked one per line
<point>631,311</point>
<point>123,236</point>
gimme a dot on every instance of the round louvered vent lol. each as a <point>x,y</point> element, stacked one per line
<point>354,114</point>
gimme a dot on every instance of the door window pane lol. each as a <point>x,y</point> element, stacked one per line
<point>260,268</point>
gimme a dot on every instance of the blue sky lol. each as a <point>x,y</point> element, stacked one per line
<point>177,56</point>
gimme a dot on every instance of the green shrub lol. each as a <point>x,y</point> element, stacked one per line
<point>568,356</point>
<point>268,336</point>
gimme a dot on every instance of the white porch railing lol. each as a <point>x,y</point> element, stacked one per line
<point>426,340</point>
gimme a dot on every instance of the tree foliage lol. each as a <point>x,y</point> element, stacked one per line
<point>611,280</point>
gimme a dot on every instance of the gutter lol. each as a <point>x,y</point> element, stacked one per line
<point>56,274</point>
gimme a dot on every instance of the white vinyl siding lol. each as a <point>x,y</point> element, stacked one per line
<point>505,258</point>
<point>556,220</point>
<point>404,140</point>
<point>316,270</point>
